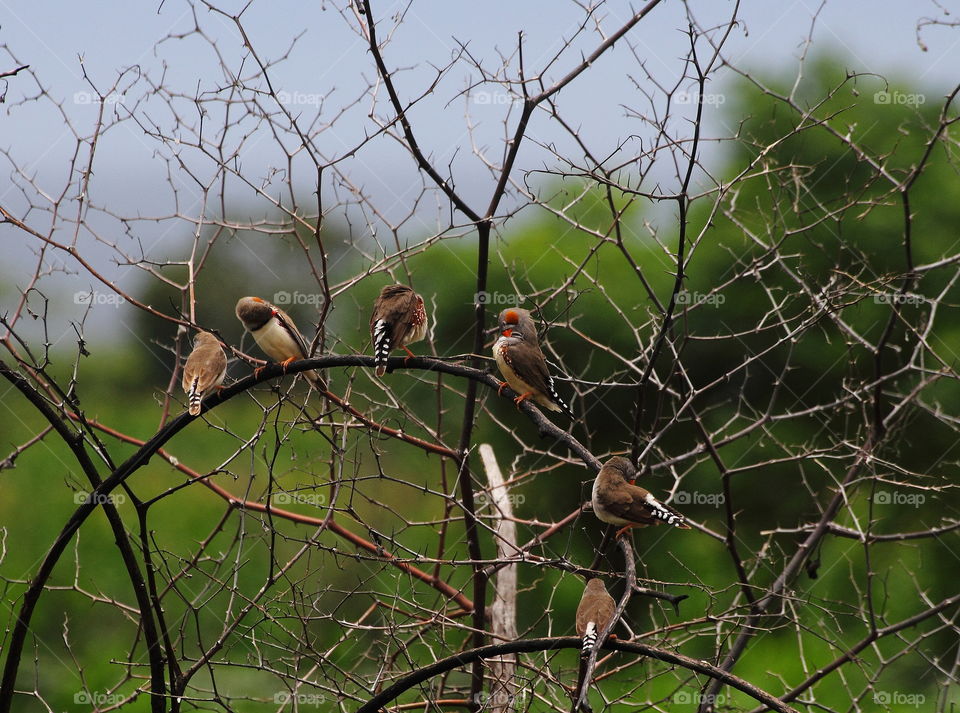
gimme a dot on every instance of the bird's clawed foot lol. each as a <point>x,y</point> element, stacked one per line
<point>503,385</point>
<point>523,397</point>
<point>410,355</point>
<point>622,531</point>
<point>287,362</point>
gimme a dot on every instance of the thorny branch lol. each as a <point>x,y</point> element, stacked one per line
<point>766,328</point>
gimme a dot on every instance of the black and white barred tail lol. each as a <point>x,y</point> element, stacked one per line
<point>555,397</point>
<point>589,639</point>
<point>662,512</point>
<point>194,397</point>
<point>382,345</point>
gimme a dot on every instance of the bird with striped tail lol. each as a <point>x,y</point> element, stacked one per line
<point>617,501</point>
<point>522,363</point>
<point>399,318</point>
<point>204,371</point>
<point>594,613</point>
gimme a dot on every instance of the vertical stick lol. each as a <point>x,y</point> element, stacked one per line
<point>503,610</point>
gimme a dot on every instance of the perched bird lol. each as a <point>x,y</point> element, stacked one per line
<point>594,613</point>
<point>204,371</point>
<point>619,502</point>
<point>274,332</point>
<point>398,319</point>
<point>522,364</point>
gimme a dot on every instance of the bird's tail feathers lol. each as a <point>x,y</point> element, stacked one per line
<point>667,514</point>
<point>555,397</point>
<point>194,397</point>
<point>589,639</point>
<point>382,345</point>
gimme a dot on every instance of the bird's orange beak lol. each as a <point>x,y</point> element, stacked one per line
<point>507,332</point>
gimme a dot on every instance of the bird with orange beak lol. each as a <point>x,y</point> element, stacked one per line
<point>275,333</point>
<point>518,355</point>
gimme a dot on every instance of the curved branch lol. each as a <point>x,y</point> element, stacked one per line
<point>376,704</point>
<point>582,693</point>
<point>31,597</point>
<point>149,448</point>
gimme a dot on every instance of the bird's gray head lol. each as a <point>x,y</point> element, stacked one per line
<point>595,585</point>
<point>254,312</point>
<point>204,339</point>
<point>516,322</point>
<point>622,467</point>
<point>390,291</point>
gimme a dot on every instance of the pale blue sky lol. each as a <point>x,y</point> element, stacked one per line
<point>109,36</point>
<point>330,67</point>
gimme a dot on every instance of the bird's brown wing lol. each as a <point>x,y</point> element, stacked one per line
<point>604,610</point>
<point>598,609</point>
<point>642,507</point>
<point>401,315</point>
<point>284,319</point>
<point>215,364</point>
<point>628,502</point>
<point>532,371</point>
<point>584,617</point>
<point>205,364</point>
<point>189,372</point>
